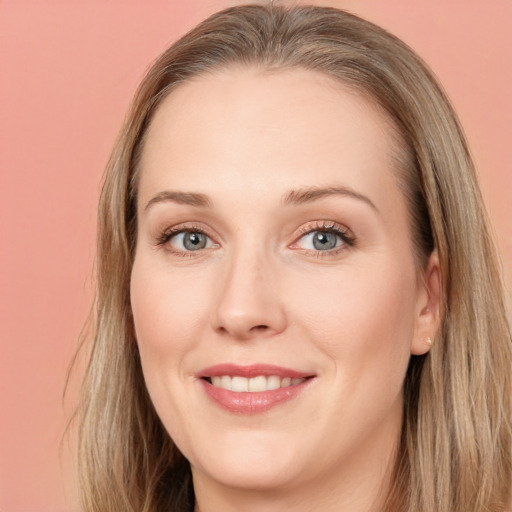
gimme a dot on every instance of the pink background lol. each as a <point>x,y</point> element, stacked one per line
<point>68,71</point>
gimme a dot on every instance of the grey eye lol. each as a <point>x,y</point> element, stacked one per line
<point>324,240</point>
<point>194,241</point>
<point>190,241</point>
<point>320,240</point>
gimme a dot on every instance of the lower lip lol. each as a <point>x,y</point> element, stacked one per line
<point>252,403</point>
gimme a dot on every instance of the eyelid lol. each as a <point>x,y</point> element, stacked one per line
<point>347,237</point>
<point>179,239</point>
<point>166,235</point>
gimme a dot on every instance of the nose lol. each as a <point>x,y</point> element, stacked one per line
<point>249,304</point>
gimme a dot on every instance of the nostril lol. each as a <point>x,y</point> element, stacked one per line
<point>259,328</point>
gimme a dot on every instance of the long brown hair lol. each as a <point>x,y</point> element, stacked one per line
<point>455,452</point>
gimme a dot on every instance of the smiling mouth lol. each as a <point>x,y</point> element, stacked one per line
<point>259,383</point>
<point>252,389</point>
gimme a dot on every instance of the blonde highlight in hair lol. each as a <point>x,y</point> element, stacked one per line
<point>455,450</point>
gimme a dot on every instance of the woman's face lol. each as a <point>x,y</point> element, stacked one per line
<point>275,293</point>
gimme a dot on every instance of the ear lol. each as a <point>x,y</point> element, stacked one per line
<point>428,307</point>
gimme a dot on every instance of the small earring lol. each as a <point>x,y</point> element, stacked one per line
<point>429,341</point>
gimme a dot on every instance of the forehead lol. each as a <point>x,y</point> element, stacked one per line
<point>270,129</point>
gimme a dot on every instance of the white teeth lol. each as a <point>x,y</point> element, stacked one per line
<point>225,382</point>
<point>273,382</point>
<point>239,384</point>
<point>254,384</point>
<point>258,383</point>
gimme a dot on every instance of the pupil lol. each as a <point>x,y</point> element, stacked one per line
<point>324,240</point>
<point>194,241</point>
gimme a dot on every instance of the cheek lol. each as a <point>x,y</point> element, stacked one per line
<point>165,308</point>
<point>166,311</point>
<point>363,319</point>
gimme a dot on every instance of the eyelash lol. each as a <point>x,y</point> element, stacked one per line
<point>166,235</point>
<point>346,236</point>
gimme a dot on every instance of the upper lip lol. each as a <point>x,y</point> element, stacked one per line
<point>252,370</point>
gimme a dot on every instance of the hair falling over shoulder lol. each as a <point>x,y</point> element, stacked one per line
<point>455,453</point>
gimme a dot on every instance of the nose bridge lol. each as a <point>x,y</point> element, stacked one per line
<point>249,301</point>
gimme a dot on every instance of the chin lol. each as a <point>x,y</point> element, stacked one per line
<point>247,477</point>
<point>251,464</point>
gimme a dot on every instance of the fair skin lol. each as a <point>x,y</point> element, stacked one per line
<point>271,231</point>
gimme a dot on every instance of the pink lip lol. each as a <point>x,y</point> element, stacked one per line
<point>252,370</point>
<point>256,402</point>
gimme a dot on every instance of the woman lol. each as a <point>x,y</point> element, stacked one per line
<point>299,305</point>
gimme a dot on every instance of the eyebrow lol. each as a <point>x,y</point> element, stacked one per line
<point>294,197</point>
<point>186,198</point>
<point>308,195</point>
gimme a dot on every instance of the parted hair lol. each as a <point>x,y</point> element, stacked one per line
<point>455,449</point>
